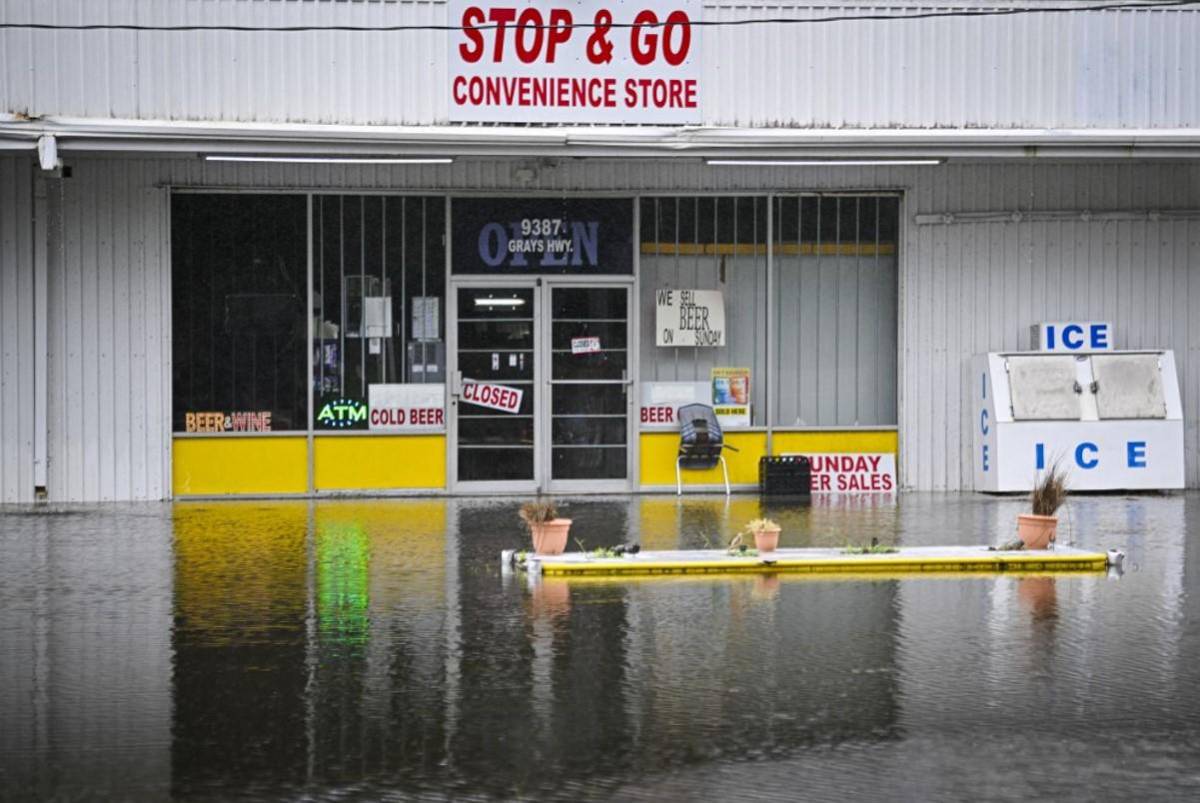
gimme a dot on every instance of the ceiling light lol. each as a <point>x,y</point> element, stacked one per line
<point>822,162</point>
<point>334,160</point>
<point>499,302</point>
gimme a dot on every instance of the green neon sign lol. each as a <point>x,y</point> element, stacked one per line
<point>342,414</point>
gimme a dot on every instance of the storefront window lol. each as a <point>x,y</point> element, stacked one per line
<point>718,247</point>
<point>378,301</point>
<point>238,267</point>
<point>834,310</point>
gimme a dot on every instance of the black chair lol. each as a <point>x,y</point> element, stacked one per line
<point>701,442</point>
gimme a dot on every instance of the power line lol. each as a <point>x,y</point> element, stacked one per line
<point>1120,5</point>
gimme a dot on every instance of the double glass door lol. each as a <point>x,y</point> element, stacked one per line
<point>541,391</point>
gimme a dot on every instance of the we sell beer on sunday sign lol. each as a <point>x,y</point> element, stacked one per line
<point>689,318</point>
<point>574,61</point>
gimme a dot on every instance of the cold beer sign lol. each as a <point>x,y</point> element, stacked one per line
<point>574,61</point>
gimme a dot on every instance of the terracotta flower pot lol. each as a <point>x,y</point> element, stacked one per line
<point>766,540</point>
<point>1036,532</point>
<point>550,537</point>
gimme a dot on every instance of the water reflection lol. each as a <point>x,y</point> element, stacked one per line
<point>240,642</point>
<point>363,647</point>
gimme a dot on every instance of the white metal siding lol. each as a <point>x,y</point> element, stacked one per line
<point>972,287</point>
<point>964,287</point>
<point>109,336</point>
<point>837,322</point>
<point>16,331</point>
<point>1126,69</point>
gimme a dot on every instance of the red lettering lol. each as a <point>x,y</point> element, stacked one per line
<point>658,415</point>
<point>472,49</point>
<point>438,415</point>
<point>501,16</point>
<point>559,33</point>
<point>671,93</point>
<point>677,21</point>
<point>530,20</point>
<point>643,45</point>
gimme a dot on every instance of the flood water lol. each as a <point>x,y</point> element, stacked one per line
<point>375,650</point>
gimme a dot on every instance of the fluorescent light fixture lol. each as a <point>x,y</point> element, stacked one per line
<point>499,302</point>
<point>333,160</point>
<point>822,162</point>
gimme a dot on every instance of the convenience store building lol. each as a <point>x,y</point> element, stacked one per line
<point>343,270</point>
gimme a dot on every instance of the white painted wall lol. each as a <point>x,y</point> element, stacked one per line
<point>16,330</point>
<point>836,317</point>
<point>109,334</point>
<point>1117,69</point>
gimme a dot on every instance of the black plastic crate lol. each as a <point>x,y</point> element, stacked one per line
<point>784,476</point>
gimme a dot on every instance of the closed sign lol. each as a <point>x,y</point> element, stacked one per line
<point>496,397</point>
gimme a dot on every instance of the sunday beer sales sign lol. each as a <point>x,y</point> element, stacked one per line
<point>575,61</point>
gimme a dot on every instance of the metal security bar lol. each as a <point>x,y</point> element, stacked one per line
<point>378,260</point>
<point>834,310</point>
<point>706,243</point>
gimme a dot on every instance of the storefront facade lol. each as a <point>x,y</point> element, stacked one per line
<point>525,356</point>
<point>522,311</point>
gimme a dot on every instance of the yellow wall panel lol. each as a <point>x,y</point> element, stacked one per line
<point>216,466</point>
<point>380,462</point>
<point>659,449</point>
<point>842,442</point>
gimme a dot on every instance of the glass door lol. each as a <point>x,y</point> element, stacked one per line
<point>590,388</point>
<point>493,393</point>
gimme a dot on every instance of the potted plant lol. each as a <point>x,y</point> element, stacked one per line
<point>549,532</point>
<point>1037,530</point>
<point>766,534</point>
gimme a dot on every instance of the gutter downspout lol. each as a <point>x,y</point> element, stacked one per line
<point>41,327</point>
